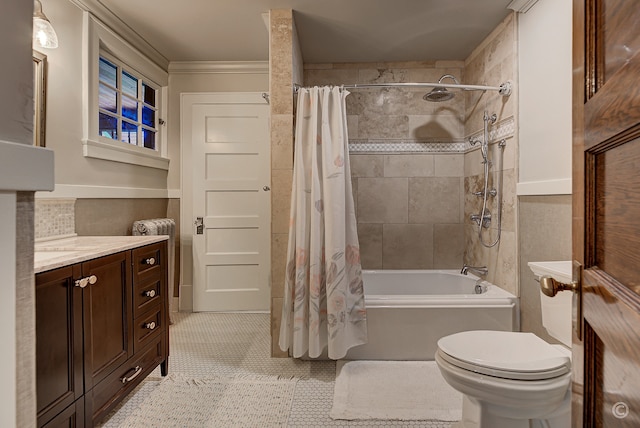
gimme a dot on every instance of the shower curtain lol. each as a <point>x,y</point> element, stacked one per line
<point>323,296</point>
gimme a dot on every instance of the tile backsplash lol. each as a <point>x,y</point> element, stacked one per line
<point>54,217</point>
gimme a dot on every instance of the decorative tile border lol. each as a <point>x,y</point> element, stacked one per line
<point>503,129</point>
<point>54,217</point>
<point>406,146</point>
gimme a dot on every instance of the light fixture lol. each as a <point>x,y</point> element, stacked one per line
<point>44,36</point>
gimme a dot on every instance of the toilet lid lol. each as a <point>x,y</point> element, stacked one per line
<point>506,354</point>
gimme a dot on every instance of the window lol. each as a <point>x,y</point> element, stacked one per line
<point>124,103</point>
<point>127,109</point>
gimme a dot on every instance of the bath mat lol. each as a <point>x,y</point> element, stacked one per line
<point>393,390</point>
<point>243,401</point>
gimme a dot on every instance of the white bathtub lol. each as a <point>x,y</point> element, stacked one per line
<point>409,310</point>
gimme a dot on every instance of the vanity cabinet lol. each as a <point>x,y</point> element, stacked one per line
<point>101,327</point>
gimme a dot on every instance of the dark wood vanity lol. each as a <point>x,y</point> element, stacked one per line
<point>101,328</point>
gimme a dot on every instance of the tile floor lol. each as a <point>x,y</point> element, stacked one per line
<point>206,344</point>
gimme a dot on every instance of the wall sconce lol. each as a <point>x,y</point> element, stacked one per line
<point>44,36</point>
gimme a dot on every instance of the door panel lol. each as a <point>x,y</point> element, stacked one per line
<point>231,175</point>
<point>606,118</point>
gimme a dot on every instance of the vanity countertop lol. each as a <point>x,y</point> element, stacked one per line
<point>58,253</point>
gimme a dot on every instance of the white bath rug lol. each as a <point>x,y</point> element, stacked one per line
<point>395,390</point>
<point>241,401</point>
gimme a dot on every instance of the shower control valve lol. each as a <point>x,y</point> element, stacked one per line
<point>486,219</point>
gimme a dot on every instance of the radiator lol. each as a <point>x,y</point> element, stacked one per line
<point>161,226</point>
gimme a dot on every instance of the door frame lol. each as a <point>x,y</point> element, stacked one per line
<point>187,101</point>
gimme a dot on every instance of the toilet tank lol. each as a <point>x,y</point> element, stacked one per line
<point>557,310</point>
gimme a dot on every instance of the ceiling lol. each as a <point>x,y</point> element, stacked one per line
<point>328,30</point>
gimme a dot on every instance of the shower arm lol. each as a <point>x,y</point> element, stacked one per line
<point>504,89</point>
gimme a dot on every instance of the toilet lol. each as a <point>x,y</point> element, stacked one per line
<point>513,379</point>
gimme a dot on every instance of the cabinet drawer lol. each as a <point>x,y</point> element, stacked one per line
<point>148,261</point>
<point>147,327</point>
<point>147,294</point>
<point>106,394</point>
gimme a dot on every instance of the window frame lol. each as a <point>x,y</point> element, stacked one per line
<point>100,41</point>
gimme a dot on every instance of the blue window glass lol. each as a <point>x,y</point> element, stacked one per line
<point>148,116</point>
<point>107,99</point>
<point>149,139</point>
<point>148,95</point>
<point>108,126</point>
<point>129,108</point>
<point>129,85</point>
<point>129,133</point>
<point>108,73</point>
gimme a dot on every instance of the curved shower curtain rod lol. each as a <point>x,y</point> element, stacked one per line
<point>504,89</point>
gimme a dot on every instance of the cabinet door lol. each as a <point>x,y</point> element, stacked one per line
<point>72,417</point>
<point>58,341</point>
<point>108,338</point>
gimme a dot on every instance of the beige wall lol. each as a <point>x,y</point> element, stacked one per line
<point>493,62</point>
<point>545,235</point>
<point>65,111</point>
<point>545,98</point>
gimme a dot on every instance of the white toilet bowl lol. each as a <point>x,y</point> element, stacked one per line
<point>507,378</point>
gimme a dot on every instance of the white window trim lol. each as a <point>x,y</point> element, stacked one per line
<point>97,36</point>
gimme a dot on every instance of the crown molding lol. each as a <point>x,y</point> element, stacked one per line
<point>521,6</point>
<point>219,67</point>
<point>117,25</point>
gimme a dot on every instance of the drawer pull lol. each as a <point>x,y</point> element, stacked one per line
<point>150,261</point>
<point>150,293</point>
<point>83,282</point>
<point>150,325</point>
<point>135,374</point>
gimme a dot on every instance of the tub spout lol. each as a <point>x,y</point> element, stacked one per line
<point>478,270</point>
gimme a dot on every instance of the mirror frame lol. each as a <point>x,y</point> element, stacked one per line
<point>39,98</point>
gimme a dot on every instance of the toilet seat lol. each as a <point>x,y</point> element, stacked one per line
<point>505,354</point>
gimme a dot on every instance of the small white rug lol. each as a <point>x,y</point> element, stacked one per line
<point>393,390</point>
<point>244,401</point>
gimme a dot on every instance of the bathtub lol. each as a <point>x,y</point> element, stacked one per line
<point>409,310</point>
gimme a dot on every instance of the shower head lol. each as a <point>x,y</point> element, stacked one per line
<point>440,93</point>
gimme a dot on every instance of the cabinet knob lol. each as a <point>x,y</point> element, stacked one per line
<point>136,371</point>
<point>150,293</point>
<point>150,261</point>
<point>150,325</point>
<point>93,279</point>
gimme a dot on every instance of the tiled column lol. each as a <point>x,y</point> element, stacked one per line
<point>281,99</point>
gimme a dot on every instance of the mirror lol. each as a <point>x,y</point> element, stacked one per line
<point>39,98</point>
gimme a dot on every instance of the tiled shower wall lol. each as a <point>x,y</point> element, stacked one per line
<point>493,62</point>
<point>409,210</point>
<point>407,163</point>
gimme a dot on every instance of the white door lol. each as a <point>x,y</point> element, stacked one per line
<point>231,201</point>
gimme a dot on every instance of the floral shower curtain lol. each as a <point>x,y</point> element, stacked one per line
<point>323,296</point>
